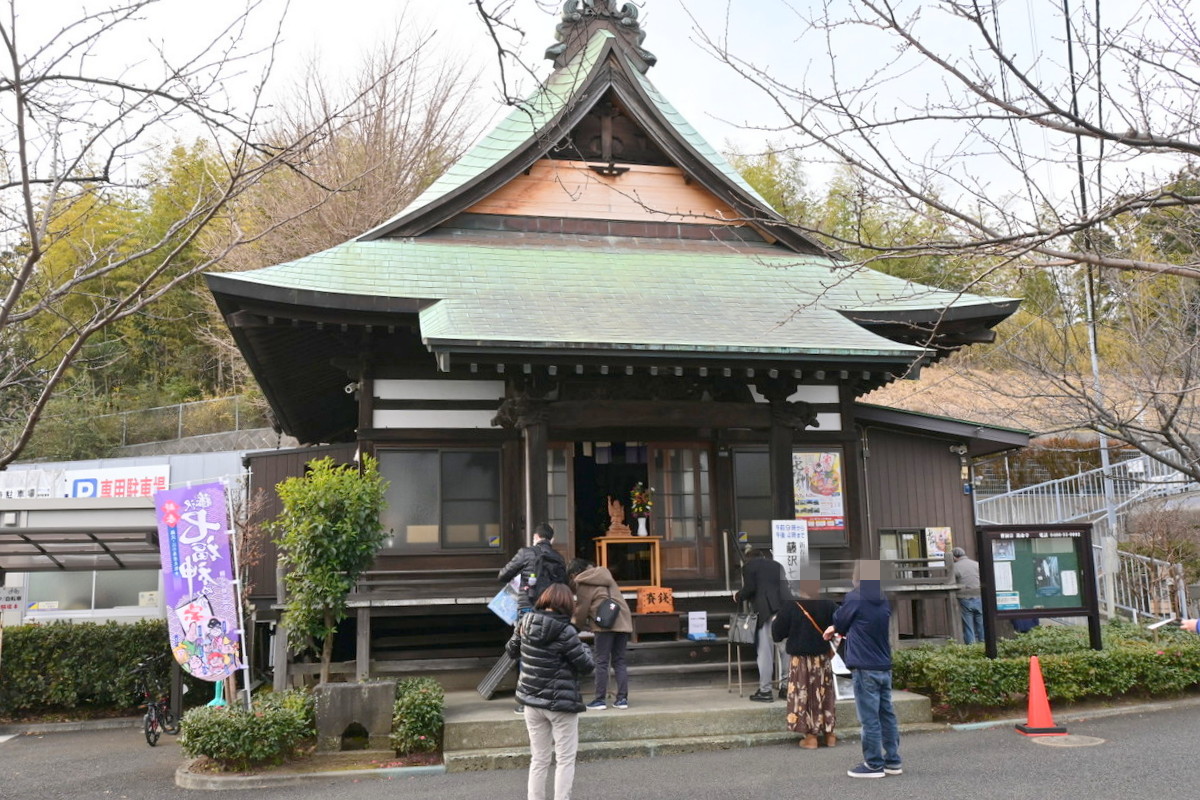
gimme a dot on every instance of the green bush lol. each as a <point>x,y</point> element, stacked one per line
<point>960,679</point>
<point>417,717</point>
<point>81,667</point>
<point>297,701</point>
<point>239,740</point>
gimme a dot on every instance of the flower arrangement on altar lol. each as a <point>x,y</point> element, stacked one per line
<point>641,499</point>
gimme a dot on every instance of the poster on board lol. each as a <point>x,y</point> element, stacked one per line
<point>817,482</point>
<point>938,542</point>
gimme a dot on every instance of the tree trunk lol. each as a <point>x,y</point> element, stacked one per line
<point>327,648</point>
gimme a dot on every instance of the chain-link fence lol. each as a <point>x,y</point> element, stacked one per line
<point>185,419</point>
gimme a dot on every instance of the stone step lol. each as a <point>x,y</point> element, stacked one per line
<point>518,758</point>
<point>490,728</point>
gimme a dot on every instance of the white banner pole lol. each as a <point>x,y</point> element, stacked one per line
<point>235,547</point>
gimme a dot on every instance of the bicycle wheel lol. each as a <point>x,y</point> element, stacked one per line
<point>151,726</point>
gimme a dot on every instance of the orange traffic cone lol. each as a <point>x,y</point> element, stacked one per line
<point>1039,720</point>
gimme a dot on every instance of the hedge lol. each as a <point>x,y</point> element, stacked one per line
<point>238,740</point>
<point>960,678</point>
<point>82,667</point>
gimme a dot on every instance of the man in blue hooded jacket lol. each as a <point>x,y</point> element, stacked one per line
<point>864,619</point>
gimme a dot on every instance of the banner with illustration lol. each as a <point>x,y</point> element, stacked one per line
<point>198,580</point>
<point>817,477</point>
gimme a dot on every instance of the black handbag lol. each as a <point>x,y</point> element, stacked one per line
<point>608,612</point>
<point>743,625</point>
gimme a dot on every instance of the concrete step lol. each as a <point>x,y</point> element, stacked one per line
<point>488,735</point>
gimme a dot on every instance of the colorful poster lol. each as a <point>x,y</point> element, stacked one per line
<point>817,478</point>
<point>938,542</point>
<point>198,580</point>
<point>789,546</point>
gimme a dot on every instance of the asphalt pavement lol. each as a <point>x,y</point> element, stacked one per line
<point>1148,753</point>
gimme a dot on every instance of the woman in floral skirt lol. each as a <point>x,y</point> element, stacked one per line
<point>811,701</point>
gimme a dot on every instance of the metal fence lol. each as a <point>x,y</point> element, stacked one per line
<point>1083,497</point>
<point>1132,584</point>
<point>183,420</point>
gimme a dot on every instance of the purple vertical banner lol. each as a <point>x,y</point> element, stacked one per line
<point>198,580</point>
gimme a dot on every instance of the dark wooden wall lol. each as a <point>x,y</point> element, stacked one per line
<point>268,469</point>
<point>914,481</point>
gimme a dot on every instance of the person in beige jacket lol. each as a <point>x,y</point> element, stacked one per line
<point>593,585</point>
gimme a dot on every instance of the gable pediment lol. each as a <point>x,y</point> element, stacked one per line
<point>598,104</point>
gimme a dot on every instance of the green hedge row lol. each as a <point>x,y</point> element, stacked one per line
<point>960,679</point>
<point>82,667</point>
<point>238,740</point>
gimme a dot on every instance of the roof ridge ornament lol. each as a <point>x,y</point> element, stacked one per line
<point>581,18</point>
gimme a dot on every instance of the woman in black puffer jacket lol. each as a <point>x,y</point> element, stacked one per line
<point>552,662</point>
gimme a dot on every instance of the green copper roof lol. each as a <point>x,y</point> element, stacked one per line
<point>693,137</point>
<point>521,125</point>
<point>551,292</point>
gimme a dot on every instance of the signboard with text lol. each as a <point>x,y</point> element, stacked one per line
<point>789,545</point>
<point>1032,571</point>
<point>12,598</point>
<point>141,481</point>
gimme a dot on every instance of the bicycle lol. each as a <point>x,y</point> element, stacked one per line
<point>158,717</point>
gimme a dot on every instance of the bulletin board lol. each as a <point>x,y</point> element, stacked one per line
<point>1032,571</point>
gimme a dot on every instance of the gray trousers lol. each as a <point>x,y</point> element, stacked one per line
<point>551,733</point>
<point>767,655</point>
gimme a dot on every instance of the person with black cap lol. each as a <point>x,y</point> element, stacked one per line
<point>970,601</point>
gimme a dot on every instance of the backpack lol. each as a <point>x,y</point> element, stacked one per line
<point>548,568</point>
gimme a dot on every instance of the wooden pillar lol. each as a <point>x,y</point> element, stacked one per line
<point>526,409</point>
<point>536,435</point>
<point>362,646</point>
<point>783,493</point>
<point>785,418</point>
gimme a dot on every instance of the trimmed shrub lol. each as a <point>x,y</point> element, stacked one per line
<point>417,717</point>
<point>82,667</point>
<point>297,701</point>
<point>239,740</point>
<point>962,680</point>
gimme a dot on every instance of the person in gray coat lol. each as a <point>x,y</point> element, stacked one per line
<point>970,602</point>
<point>593,585</point>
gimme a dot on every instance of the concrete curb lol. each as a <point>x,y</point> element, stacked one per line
<point>42,728</point>
<point>186,779</point>
<point>1081,715</point>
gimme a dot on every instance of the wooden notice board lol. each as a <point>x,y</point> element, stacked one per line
<point>633,560</point>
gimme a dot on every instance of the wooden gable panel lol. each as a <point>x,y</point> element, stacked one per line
<point>557,188</point>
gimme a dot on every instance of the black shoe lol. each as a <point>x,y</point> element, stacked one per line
<point>762,697</point>
<point>783,693</point>
<point>520,709</point>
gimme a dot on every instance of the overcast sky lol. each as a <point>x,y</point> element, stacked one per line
<point>719,103</point>
<point>703,90</point>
